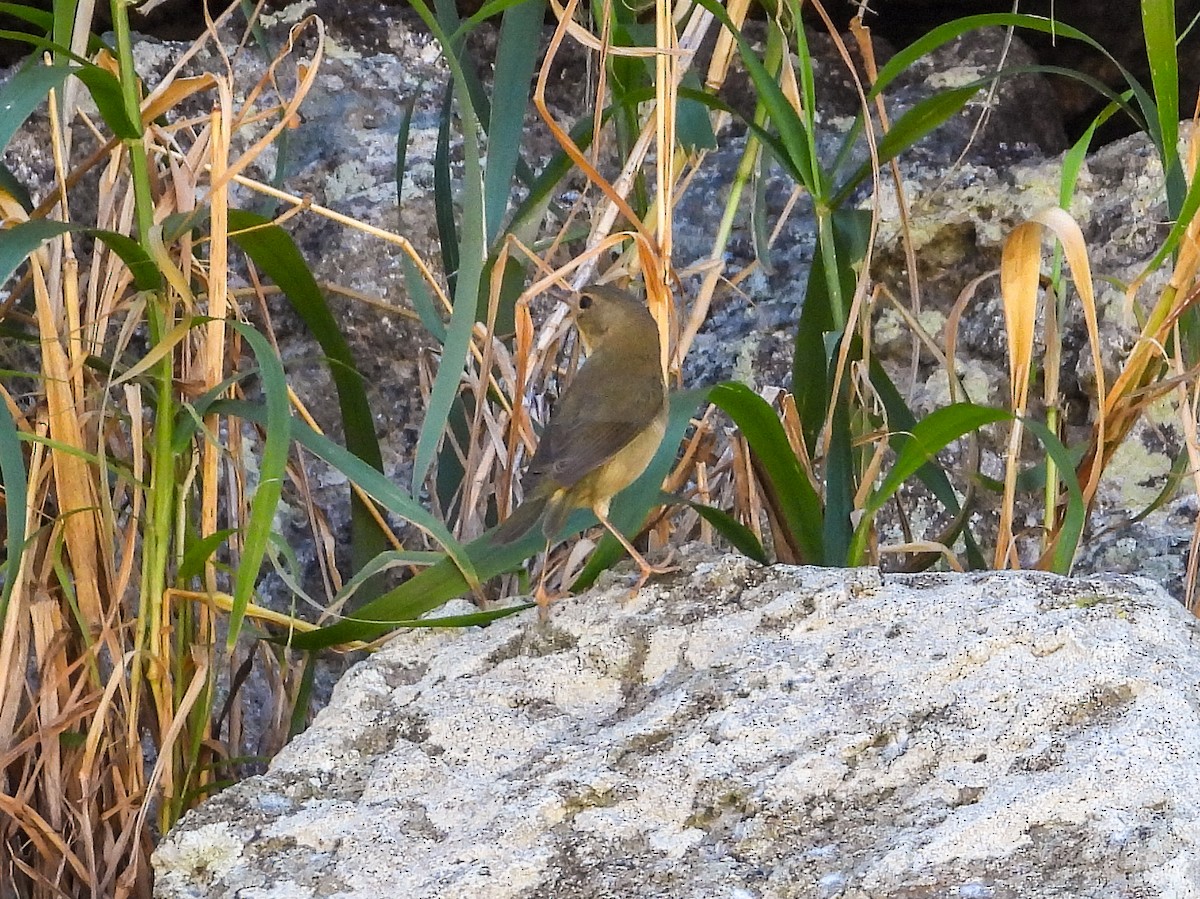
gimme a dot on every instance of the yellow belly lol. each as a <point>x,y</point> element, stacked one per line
<point>597,488</point>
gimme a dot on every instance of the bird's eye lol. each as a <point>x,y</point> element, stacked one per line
<point>585,302</point>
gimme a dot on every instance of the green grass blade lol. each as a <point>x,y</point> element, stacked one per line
<point>796,140</point>
<point>950,31</point>
<point>23,93</point>
<point>693,127</point>
<point>902,421</point>
<point>910,128</point>
<point>16,487</point>
<point>17,242</point>
<point>739,536</point>
<point>519,31</point>
<point>467,292</point>
<point>423,592</point>
<point>1075,158</point>
<point>799,506</point>
<point>372,481</point>
<point>848,230</point>
<point>839,482</point>
<point>1071,529</point>
<point>926,439</point>
<point>14,188</point>
<point>274,251</point>
<point>472,250</point>
<point>198,551</point>
<point>418,291</point>
<point>1158,28</point>
<point>271,469</point>
<point>443,192</point>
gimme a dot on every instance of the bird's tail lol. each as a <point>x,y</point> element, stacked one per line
<point>520,522</point>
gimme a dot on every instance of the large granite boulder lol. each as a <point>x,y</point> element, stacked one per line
<point>744,732</point>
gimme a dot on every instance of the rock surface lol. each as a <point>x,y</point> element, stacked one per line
<point>744,732</point>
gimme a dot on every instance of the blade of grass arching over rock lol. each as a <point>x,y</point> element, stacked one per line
<point>901,422</point>
<point>631,506</point>
<point>917,449</point>
<point>520,32</point>
<point>793,498</point>
<point>373,482</point>
<point>273,250</point>
<point>944,34</point>
<point>811,377</point>
<point>12,471</point>
<point>739,536</point>
<point>423,593</point>
<point>906,131</point>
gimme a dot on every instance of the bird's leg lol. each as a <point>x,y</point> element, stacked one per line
<point>645,567</point>
<point>541,595</point>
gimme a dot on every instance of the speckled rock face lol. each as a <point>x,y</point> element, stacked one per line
<point>744,732</point>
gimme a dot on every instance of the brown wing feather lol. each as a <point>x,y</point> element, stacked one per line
<point>575,441</point>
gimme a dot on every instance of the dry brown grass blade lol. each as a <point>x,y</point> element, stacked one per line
<point>1020,271</point>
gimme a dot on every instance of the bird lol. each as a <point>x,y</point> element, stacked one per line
<point>604,429</point>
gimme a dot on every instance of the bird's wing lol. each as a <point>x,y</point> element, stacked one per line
<point>579,438</point>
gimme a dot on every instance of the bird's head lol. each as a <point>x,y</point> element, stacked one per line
<point>606,315</point>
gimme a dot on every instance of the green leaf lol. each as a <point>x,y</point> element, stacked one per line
<point>739,536</point>
<point>106,94</point>
<point>24,92</point>
<point>274,251</point>
<point>17,242</point>
<point>812,375</point>
<point>370,479</point>
<point>797,504</point>
<point>840,484</point>
<point>418,291</point>
<point>944,34</point>
<point>902,421</point>
<point>271,468</point>
<point>485,12</point>
<point>928,437</point>
<point>467,291</point>
<point>198,553</point>
<point>908,130</point>
<point>16,487</point>
<point>422,593</point>
<point>795,138</point>
<point>693,127</point>
<point>1067,543</point>
<point>1158,28</point>
<point>443,192</point>
<point>512,79</point>
<point>14,188</point>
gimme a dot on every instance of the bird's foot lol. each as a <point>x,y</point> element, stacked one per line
<point>544,599</point>
<point>647,570</point>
